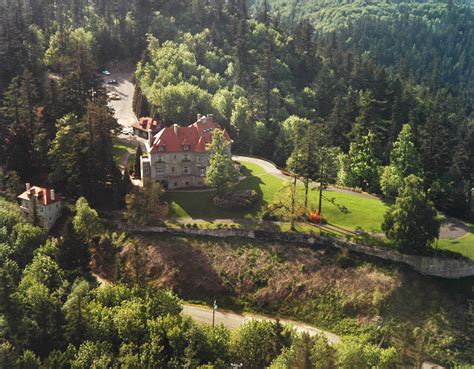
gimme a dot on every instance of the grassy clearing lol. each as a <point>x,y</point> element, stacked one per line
<point>199,205</point>
<point>363,213</point>
<point>464,245</point>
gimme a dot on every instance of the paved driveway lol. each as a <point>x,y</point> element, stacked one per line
<point>125,88</point>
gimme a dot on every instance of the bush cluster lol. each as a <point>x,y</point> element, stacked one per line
<point>243,199</point>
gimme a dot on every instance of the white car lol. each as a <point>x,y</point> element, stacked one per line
<point>114,96</point>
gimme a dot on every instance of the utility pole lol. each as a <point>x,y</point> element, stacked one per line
<point>214,308</point>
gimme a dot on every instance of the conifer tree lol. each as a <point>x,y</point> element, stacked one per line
<point>413,222</point>
<point>137,166</point>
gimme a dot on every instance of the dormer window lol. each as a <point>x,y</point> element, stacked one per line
<point>161,148</point>
<point>186,147</point>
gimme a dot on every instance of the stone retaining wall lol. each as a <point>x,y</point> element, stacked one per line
<point>438,267</point>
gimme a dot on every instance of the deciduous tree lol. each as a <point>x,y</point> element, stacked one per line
<point>221,172</point>
<point>86,221</point>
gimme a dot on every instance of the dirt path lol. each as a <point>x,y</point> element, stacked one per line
<point>233,320</point>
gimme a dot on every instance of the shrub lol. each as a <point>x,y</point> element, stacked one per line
<point>244,199</point>
<point>316,218</point>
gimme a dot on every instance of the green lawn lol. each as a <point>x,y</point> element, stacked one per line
<point>464,245</point>
<point>363,213</point>
<point>199,204</point>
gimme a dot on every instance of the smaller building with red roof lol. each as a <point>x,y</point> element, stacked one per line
<point>46,204</point>
<point>178,156</point>
<point>146,128</point>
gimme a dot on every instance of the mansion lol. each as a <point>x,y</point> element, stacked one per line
<point>177,156</point>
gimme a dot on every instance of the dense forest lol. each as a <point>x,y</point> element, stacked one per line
<point>381,91</point>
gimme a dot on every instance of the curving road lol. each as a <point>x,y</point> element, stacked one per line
<point>232,320</point>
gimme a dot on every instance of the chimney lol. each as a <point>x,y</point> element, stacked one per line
<point>209,118</point>
<point>52,195</point>
<point>198,117</point>
<point>175,129</point>
<point>28,186</point>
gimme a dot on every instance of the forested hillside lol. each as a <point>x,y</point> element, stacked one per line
<point>432,42</point>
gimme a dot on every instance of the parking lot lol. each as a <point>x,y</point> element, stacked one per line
<point>121,94</point>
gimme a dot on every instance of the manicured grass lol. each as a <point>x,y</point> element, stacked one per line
<point>199,204</point>
<point>464,245</point>
<point>364,213</point>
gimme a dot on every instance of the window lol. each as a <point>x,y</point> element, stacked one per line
<point>199,158</point>
<point>186,169</point>
<point>172,169</point>
<point>202,172</point>
<point>186,147</point>
<point>175,184</point>
<point>187,183</point>
<point>160,170</point>
<point>174,156</point>
<point>159,159</point>
<point>186,157</point>
<point>161,148</point>
<point>146,171</point>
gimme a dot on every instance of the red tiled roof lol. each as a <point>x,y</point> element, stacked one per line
<point>147,124</point>
<point>197,136</point>
<point>201,145</point>
<point>44,195</point>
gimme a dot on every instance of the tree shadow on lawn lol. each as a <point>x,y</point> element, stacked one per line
<point>200,205</point>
